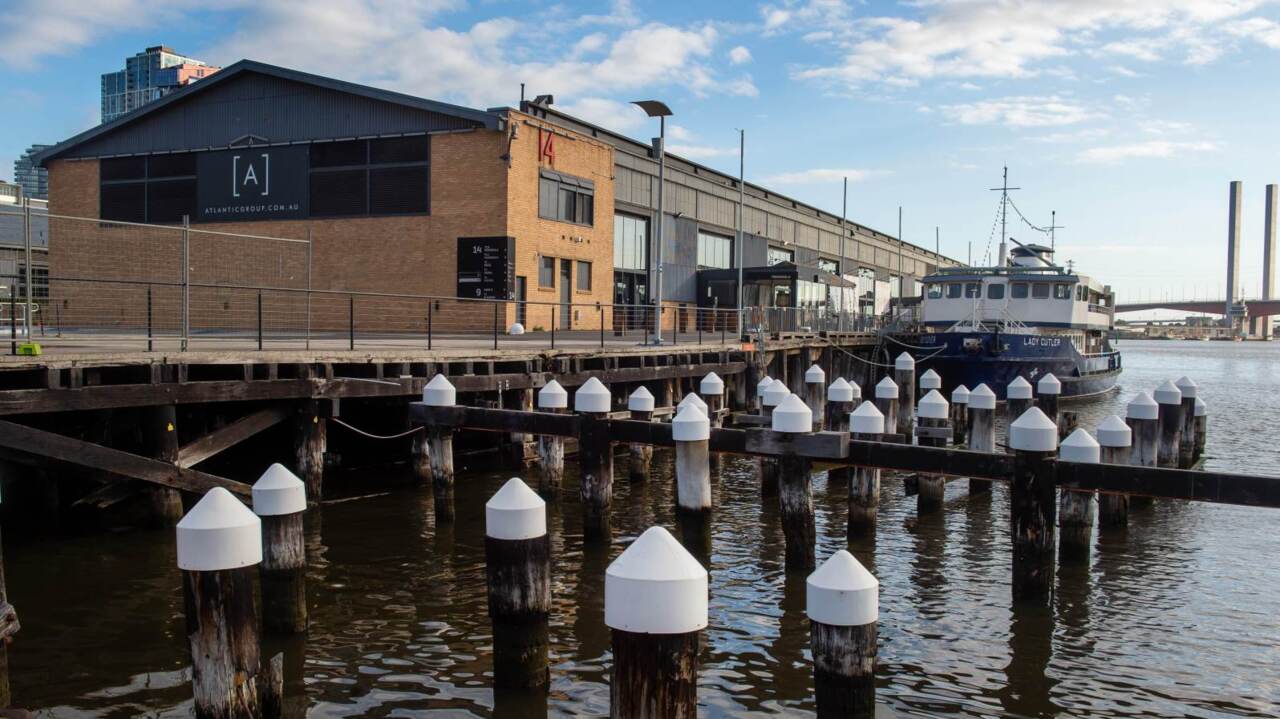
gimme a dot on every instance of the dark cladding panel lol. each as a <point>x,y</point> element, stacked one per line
<point>486,267</point>
<point>264,183</point>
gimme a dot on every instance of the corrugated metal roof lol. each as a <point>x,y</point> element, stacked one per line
<point>254,103</point>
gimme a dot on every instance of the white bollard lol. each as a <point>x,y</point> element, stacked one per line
<point>1115,439</point>
<point>551,398</point>
<point>439,392</point>
<point>982,430</point>
<point>1202,428</point>
<point>691,431</point>
<point>934,415</point>
<point>842,600</point>
<point>868,424</point>
<point>517,554</point>
<point>887,403</point>
<point>960,415</point>
<point>1143,417</point>
<point>1033,437</point>
<point>761,386</point>
<point>814,383</point>
<point>904,376</point>
<point>1187,439</point>
<point>280,500</point>
<point>1049,389</point>
<point>1169,417</point>
<point>1076,507</point>
<point>1017,397</point>
<point>595,456</point>
<point>641,404</point>
<point>793,416</point>
<point>930,380</point>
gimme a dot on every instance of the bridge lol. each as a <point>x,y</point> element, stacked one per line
<point>1253,308</point>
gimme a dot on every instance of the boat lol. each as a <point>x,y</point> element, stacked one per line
<point>1027,316</point>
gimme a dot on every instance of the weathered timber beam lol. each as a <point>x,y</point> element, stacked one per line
<point>86,454</point>
<point>29,401</point>
<point>929,460</point>
<point>817,445</point>
<point>1168,483</point>
<point>495,420</point>
<point>238,431</point>
<point>646,374</point>
<point>108,495</point>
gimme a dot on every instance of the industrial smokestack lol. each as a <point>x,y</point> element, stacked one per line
<point>1234,211</point>
<point>1269,253</point>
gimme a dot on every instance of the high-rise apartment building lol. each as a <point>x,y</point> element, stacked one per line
<point>149,75</point>
<point>33,178</point>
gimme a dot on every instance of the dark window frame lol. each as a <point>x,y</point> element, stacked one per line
<point>582,269</point>
<point>542,267</point>
<point>1019,291</point>
<point>144,182</point>
<point>995,291</point>
<point>368,168</point>
<point>580,207</point>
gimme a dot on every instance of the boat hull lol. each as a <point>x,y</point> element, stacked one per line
<point>973,358</point>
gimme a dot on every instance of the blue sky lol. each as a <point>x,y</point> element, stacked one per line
<point>1128,118</point>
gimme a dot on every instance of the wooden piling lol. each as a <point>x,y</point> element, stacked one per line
<point>691,432</point>
<point>904,376</point>
<point>982,430</point>
<point>655,599</point>
<point>815,380</point>
<point>595,457</point>
<point>439,392</point>
<point>1201,428</point>
<point>420,456</point>
<point>310,438</point>
<point>1048,392</point>
<point>960,415</point>
<point>887,403</point>
<point>841,396</point>
<point>790,417</point>
<point>773,394</point>
<point>219,541</point>
<point>517,553</point>
<point>761,386</point>
<point>280,500</point>
<point>711,387</point>
<point>8,621</point>
<point>1143,417</point>
<point>842,601</point>
<point>1187,439</point>
<point>1115,439</point>
<point>640,403</point>
<point>1076,509</point>
<point>866,423</point>
<point>1017,399</point>
<point>934,431</point>
<point>1034,440</point>
<point>165,502</point>
<point>1169,417</point>
<point>551,398</point>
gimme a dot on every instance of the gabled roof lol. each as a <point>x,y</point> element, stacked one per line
<point>480,117</point>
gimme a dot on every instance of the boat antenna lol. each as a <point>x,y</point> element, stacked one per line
<point>1004,202</point>
<point>1053,225</point>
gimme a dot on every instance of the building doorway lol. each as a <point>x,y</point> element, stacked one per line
<point>630,291</point>
<point>566,294</point>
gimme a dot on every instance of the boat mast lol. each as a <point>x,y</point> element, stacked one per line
<point>1004,203</point>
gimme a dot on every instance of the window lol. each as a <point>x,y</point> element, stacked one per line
<point>630,242</point>
<point>584,275</point>
<point>934,290</point>
<point>39,282</point>
<point>810,295</point>
<point>1040,290</point>
<point>995,291</point>
<point>566,198</point>
<point>972,290</point>
<point>1019,291</point>
<point>829,266</point>
<point>714,250</point>
<point>953,290</point>
<point>1061,292</point>
<point>546,271</point>
<point>388,176</point>
<point>1079,293</point>
<point>158,188</point>
<point>777,254</point>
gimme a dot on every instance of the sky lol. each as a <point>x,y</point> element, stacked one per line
<point>1127,118</point>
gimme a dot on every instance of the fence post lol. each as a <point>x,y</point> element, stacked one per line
<point>600,310</point>
<point>26,233</point>
<point>351,322</point>
<point>150,344</point>
<point>430,304</point>
<point>554,308</point>
<point>259,320</point>
<point>186,282</point>
<point>495,325</point>
<point>309,250</point>
<point>13,317</point>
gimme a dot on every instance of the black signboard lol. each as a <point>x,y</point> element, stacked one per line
<point>486,267</point>
<point>256,183</point>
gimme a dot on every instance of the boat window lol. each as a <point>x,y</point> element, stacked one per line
<point>1079,292</point>
<point>995,291</point>
<point>1019,291</point>
<point>935,291</point>
<point>1061,292</point>
<point>971,290</point>
<point>1040,290</point>
<point>953,290</point>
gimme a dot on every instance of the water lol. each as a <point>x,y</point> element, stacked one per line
<point>1175,617</point>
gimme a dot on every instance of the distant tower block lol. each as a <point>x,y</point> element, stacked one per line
<point>1268,257</point>
<point>1234,210</point>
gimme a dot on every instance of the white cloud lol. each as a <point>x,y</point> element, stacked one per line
<point>1260,29</point>
<point>774,17</point>
<point>819,175</point>
<point>1123,71</point>
<point>609,114</point>
<point>1161,149</point>
<point>1019,111</point>
<point>739,55</point>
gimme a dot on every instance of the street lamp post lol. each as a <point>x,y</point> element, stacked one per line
<point>655,108</point>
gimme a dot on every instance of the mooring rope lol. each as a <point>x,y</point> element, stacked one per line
<point>370,435</point>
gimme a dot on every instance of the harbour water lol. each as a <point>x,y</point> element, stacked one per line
<point>1174,617</point>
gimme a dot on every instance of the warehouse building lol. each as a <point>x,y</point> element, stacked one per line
<point>402,195</point>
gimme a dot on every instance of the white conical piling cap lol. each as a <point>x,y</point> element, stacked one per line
<point>553,396</point>
<point>793,415</point>
<point>592,396</point>
<point>866,419</point>
<point>515,512</point>
<point>640,401</point>
<point>1202,410</point>
<point>1142,407</point>
<point>711,385</point>
<point>775,393</point>
<point>1019,388</point>
<point>930,380</point>
<point>515,329</point>
<point>981,397</point>
<point>693,399</point>
<point>960,395</point>
<point>904,361</point>
<point>815,375</point>
<point>219,533</point>
<point>763,385</point>
<point>1113,432</point>
<point>1033,432</point>
<point>690,424</point>
<point>279,491</point>
<point>1167,393</point>
<point>1049,384</point>
<point>439,392</point>
<point>857,390</point>
<point>842,593</point>
<point>1187,386</point>
<point>840,391</point>
<point>887,389</point>
<point>655,587</point>
<point>1080,447</point>
<point>933,406</point>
